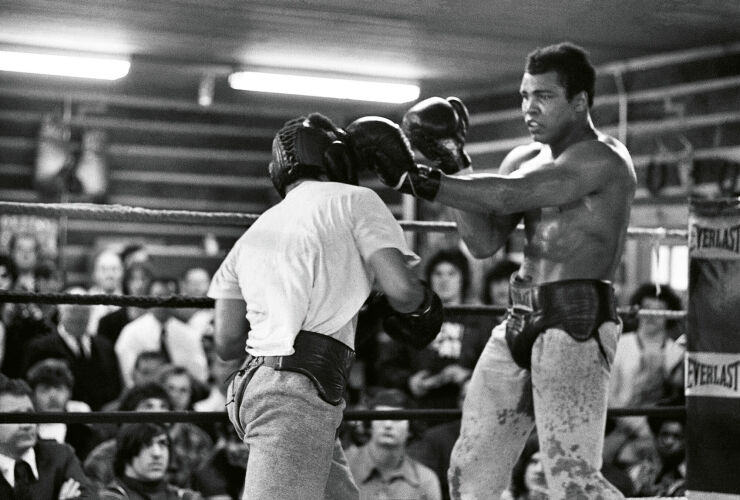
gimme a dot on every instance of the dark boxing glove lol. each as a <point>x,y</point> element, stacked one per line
<point>437,127</point>
<point>417,328</point>
<point>380,146</point>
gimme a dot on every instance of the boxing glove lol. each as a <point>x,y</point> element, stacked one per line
<point>92,169</point>
<point>380,146</point>
<point>437,127</point>
<point>52,155</point>
<point>418,328</point>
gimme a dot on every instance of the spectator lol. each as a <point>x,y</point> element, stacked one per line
<point>24,250</point>
<point>140,464</point>
<point>191,446</point>
<point>195,283</point>
<point>91,359</point>
<point>433,375</point>
<point>7,280</point>
<point>668,477</point>
<point>107,278</point>
<point>527,475</point>
<point>648,364</point>
<point>183,390</point>
<point>48,279</point>
<point>222,476</point>
<point>160,330</point>
<point>434,448</point>
<point>136,279</point>
<point>495,289</point>
<point>33,469</point>
<point>51,384</point>
<point>149,396</point>
<point>22,322</point>
<point>146,369</point>
<point>215,399</point>
<point>134,252</point>
<point>382,469</point>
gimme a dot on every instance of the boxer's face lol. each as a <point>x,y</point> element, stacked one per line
<point>548,114</point>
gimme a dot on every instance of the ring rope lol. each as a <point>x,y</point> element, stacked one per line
<point>91,211</point>
<point>183,301</point>
<point>118,417</point>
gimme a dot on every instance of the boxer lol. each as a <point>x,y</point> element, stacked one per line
<point>287,296</point>
<point>572,187</point>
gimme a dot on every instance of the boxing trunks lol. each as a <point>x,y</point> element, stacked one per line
<point>324,360</point>
<point>577,307</point>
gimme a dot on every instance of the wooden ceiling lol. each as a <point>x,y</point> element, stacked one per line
<point>461,46</point>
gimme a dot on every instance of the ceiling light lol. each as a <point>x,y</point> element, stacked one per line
<point>78,67</point>
<point>335,88</point>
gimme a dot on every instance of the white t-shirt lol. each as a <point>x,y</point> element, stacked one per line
<point>303,264</point>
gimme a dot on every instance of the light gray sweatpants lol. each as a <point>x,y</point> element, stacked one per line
<point>567,389</point>
<point>291,435</point>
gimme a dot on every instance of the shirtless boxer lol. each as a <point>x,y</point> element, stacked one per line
<point>549,361</point>
<point>298,277</point>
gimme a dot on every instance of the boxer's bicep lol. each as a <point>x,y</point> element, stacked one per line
<point>230,328</point>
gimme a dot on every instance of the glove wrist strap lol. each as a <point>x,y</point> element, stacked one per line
<point>424,182</point>
<point>425,306</point>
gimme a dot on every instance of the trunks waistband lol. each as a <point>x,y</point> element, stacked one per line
<point>577,307</point>
<point>559,294</point>
<point>324,360</point>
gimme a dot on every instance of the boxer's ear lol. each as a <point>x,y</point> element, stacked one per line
<point>580,101</point>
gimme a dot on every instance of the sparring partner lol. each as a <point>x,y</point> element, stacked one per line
<point>549,361</point>
<point>289,292</point>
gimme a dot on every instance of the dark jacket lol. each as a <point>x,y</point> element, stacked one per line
<point>97,378</point>
<point>56,464</point>
<point>130,489</point>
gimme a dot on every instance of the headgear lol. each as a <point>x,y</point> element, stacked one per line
<point>311,147</point>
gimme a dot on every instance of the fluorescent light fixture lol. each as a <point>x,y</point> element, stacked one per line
<point>336,88</point>
<point>78,67</point>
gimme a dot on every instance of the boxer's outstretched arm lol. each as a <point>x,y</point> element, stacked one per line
<point>230,328</point>
<point>483,232</point>
<point>584,168</point>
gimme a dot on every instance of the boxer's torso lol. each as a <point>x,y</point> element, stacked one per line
<point>583,239</point>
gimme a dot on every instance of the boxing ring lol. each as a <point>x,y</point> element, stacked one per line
<point>120,213</point>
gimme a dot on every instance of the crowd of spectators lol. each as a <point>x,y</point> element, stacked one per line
<point>80,358</point>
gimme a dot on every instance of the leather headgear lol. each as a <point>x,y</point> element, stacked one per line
<point>311,147</point>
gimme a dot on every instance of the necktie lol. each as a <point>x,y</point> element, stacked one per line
<point>23,479</point>
<point>163,344</point>
<point>81,346</point>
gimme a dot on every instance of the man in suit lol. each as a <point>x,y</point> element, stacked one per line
<point>94,365</point>
<point>51,384</point>
<point>31,469</point>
